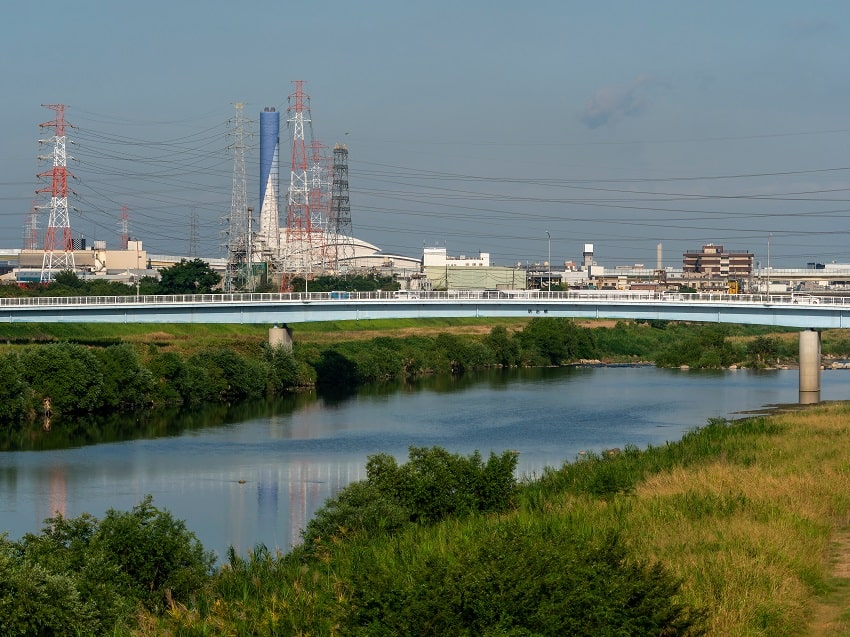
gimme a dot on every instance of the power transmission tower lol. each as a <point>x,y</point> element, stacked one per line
<point>296,254</point>
<point>125,228</point>
<point>58,251</point>
<point>319,202</point>
<point>340,215</point>
<point>194,237</point>
<point>31,229</point>
<point>238,245</point>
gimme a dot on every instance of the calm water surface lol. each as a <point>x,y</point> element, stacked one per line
<point>260,480</point>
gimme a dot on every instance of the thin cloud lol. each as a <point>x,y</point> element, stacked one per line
<point>812,29</point>
<point>612,103</point>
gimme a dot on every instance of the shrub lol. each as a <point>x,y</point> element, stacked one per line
<point>558,340</point>
<point>66,373</point>
<point>159,556</point>
<point>284,373</point>
<point>15,395</point>
<point>84,576</point>
<point>125,382</point>
<point>516,578</point>
<point>433,485</point>
<point>505,350</point>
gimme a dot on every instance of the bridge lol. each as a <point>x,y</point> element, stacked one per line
<point>792,310</point>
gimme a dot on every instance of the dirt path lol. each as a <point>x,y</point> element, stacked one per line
<point>831,613</point>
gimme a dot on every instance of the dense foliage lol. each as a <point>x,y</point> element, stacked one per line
<point>86,576</point>
<point>107,376</point>
<point>432,486</point>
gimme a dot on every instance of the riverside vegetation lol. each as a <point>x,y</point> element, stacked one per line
<point>740,528</point>
<point>85,370</point>
<point>737,529</point>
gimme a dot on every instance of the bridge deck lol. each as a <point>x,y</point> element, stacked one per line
<point>780,310</point>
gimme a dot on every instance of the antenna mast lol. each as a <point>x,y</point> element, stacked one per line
<point>57,257</point>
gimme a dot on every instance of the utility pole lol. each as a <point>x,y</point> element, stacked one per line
<point>549,263</point>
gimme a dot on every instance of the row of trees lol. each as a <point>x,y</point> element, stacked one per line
<point>77,380</point>
<point>68,379</point>
<point>187,277</point>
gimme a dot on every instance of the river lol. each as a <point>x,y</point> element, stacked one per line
<point>259,479</point>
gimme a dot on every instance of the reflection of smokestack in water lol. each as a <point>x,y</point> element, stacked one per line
<point>269,233</point>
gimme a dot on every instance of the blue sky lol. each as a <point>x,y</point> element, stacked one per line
<point>475,125</point>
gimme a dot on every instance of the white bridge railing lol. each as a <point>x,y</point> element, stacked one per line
<point>601,296</point>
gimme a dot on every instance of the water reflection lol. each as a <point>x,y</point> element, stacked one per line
<point>257,472</point>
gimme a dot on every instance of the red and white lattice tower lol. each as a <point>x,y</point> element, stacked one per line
<point>296,252</point>
<point>58,241</point>
<point>319,176</point>
<point>125,228</point>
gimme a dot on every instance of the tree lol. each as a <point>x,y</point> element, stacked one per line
<point>432,486</point>
<point>188,277</point>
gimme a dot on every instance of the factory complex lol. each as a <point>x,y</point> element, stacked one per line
<point>304,231</point>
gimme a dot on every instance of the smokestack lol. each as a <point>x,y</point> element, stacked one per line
<point>658,265</point>
<point>269,234</point>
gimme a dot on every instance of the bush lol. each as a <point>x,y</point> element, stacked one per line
<point>84,576</point>
<point>36,601</point>
<point>433,485</point>
<point>228,376</point>
<point>284,373</point>
<point>68,374</point>
<point>125,382</point>
<point>15,396</point>
<point>558,341</point>
<point>160,557</point>
<point>516,578</point>
<point>505,350</point>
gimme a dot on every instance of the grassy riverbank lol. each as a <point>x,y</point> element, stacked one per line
<point>741,528</point>
<point>753,519</point>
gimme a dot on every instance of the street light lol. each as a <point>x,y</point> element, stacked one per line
<point>549,263</point>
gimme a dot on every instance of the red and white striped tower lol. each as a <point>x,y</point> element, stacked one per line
<point>58,252</point>
<point>298,231</point>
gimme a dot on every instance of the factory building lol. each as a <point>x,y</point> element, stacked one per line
<point>443,272</point>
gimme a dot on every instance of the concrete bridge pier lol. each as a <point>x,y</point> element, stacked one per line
<point>280,337</point>
<point>809,367</point>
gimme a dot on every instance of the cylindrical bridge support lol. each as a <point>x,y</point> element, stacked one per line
<point>809,367</point>
<point>280,337</point>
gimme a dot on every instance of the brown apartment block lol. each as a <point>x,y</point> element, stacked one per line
<point>712,261</point>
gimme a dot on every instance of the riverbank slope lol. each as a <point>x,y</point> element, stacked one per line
<point>752,517</point>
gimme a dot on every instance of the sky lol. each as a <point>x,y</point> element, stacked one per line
<point>517,129</point>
